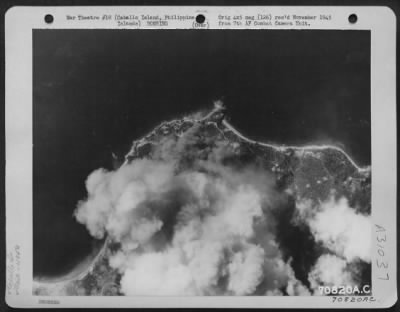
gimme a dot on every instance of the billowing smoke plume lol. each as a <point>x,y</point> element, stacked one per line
<point>189,222</point>
<point>345,234</point>
<point>343,231</point>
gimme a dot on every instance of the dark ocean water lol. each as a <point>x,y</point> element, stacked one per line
<point>94,91</point>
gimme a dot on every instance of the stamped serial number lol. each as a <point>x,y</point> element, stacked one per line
<point>345,290</point>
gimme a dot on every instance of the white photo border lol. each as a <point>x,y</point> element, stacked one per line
<point>19,25</point>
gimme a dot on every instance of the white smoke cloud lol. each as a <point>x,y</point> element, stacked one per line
<point>157,274</point>
<point>330,270</point>
<point>113,196</point>
<point>212,214</point>
<point>339,228</point>
<point>246,270</point>
<point>206,228</point>
<point>345,233</point>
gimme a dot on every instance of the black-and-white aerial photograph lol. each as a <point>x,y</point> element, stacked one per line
<point>201,162</point>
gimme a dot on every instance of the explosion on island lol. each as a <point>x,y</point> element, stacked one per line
<point>198,209</point>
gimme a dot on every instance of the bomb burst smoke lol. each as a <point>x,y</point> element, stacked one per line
<point>195,217</point>
<point>196,209</point>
